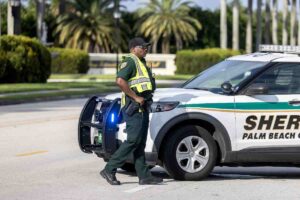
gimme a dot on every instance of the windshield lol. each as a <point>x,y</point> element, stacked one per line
<point>228,71</point>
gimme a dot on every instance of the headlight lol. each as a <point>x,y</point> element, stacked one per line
<point>163,106</point>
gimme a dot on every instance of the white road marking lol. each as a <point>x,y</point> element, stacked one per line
<point>31,153</point>
<point>139,188</point>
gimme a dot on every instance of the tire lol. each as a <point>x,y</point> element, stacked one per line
<point>191,153</point>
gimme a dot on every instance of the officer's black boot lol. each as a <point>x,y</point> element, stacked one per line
<point>151,180</point>
<point>110,177</point>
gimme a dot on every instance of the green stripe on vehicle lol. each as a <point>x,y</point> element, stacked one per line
<point>244,106</point>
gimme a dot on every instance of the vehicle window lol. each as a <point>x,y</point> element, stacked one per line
<point>230,71</point>
<point>282,79</point>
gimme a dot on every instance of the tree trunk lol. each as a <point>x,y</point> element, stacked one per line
<point>166,45</point>
<point>235,26</point>
<point>14,18</point>
<point>285,23</point>
<point>154,46</point>
<point>223,24</point>
<point>40,9</point>
<point>275,22</point>
<point>294,23</point>
<point>62,7</point>
<point>299,31</point>
<point>258,29</point>
<point>0,20</point>
<point>178,43</point>
<point>163,45</point>
<point>268,23</point>
<point>249,27</point>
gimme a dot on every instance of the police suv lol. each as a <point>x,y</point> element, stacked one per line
<point>242,111</point>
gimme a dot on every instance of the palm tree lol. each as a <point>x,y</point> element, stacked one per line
<point>249,27</point>
<point>62,7</point>
<point>162,20</point>
<point>40,11</point>
<point>86,26</point>
<point>275,22</point>
<point>223,24</point>
<point>235,26</point>
<point>285,23</point>
<point>56,5</point>
<point>268,23</point>
<point>258,31</point>
<point>293,23</point>
<point>299,32</point>
<point>14,20</point>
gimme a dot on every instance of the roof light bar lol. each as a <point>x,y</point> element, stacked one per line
<point>280,48</point>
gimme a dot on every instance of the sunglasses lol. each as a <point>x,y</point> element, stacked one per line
<point>142,47</point>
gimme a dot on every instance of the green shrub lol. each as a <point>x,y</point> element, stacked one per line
<point>69,61</point>
<point>24,60</point>
<point>194,62</point>
<point>3,63</point>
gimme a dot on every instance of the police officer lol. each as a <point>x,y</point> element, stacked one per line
<point>137,84</point>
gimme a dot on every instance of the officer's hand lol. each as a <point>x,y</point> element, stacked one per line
<point>140,100</point>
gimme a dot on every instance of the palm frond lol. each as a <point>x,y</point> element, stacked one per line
<point>167,19</point>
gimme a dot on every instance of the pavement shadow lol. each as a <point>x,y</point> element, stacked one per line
<point>251,173</point>
<point>233,173</point>
<point>163,175</point>
<point>157,172</point>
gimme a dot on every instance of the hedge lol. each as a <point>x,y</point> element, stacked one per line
<point>194,62</point>
<point>3,63</point>
<point>23,60</point>
<point>69,61</point>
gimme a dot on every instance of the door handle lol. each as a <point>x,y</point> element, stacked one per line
<point>294,102</point>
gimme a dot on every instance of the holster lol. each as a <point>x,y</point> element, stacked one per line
<point>147,105</point>
<point>131,106</point>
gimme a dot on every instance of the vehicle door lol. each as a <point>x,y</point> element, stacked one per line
<point>267,111</point>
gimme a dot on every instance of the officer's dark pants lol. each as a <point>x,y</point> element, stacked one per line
<point>137,128</point>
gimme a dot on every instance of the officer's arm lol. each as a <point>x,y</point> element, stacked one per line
<point>126,89</point>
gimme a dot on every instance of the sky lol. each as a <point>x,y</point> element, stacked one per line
<point>205,4</point>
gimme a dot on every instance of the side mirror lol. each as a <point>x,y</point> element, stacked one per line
<point>257,89</point>
<point>227,88</point>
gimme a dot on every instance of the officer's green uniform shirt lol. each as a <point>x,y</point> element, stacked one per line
<point>128,70</point>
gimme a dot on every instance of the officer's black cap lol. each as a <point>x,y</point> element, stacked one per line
<point>138,42</point>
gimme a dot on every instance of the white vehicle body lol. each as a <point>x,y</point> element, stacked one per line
<point>254,122</point>
<point>233,119</point>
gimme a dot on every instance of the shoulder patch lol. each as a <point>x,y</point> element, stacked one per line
<point>123,65</point>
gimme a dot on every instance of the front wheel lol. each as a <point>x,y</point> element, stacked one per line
<point>191,153</point>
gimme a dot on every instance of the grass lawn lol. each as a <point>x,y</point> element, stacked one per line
<point>54,95</point>
<point>25,92</point>
<point>112,77</point>
<point>31,87</point>
<point>19,93</point>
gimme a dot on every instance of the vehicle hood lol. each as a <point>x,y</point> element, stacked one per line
<point>172,94</point>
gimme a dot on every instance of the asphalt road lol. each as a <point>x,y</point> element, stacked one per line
<point>40,159</point>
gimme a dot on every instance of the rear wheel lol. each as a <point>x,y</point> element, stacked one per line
<point>191,153</point>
